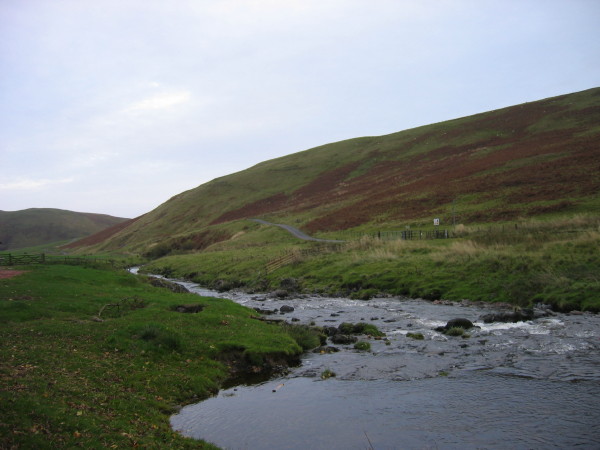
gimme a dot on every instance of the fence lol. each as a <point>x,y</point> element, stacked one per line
<point>8,259</point>
<point>13,260</point>
<point>295,255</point>
<point>404,235</point>
<point>276,263</point>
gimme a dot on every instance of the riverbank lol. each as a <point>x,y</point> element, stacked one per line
<point>486,387</point>
<point>554,263</point>
<point>100,358</point>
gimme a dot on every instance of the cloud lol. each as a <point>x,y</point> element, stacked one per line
<point>29,184</point>
<point>164,101</point>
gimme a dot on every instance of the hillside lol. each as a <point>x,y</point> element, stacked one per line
<point>37,226</point>
<point>524,161</point>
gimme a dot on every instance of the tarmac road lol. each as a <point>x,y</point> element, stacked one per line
<point>296,232</point>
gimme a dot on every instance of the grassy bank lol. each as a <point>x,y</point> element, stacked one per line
<point>556,262</point>
<point>100,359</point>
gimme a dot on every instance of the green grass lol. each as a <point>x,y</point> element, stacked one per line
<point>415,336</point>
<point>71,379</point>
<point>362,346</point>
<point>554,261</point>
<point>455,331</point>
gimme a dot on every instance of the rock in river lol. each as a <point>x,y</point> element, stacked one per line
<point>456,323</point>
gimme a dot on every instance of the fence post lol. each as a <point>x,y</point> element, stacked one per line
<point>9,259</point>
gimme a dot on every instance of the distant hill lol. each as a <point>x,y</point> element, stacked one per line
<point>528,160</point>
<point>37,226</point>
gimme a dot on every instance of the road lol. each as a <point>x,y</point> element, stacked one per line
<point>296,232</point>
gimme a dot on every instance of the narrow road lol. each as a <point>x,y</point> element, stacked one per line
<point>296,232</point>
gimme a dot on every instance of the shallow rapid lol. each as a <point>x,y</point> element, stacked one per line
<point>524,385</point>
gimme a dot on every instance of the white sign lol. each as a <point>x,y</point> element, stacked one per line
<point>436,222</point>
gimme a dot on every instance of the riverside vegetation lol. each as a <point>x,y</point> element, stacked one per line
<point>555,261</point>
<point>520,179</point>
<point>99,359</point>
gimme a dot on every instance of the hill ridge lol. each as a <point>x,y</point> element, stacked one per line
<point>521,161</point>
<point>37,226</point>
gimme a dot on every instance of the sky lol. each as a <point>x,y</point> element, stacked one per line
<point>114,106</point>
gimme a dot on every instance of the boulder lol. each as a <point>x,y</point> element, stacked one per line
<point>330,331</point>
<point>456,323</point>
<point>265,311</point>
<point>508,316</point>
<point>326,349</point>
<point>286,309</point>
<point>343,339</point>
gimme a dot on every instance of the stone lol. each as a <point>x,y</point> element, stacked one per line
<point>326,349</point>
<point>460,322</point>
<point>265,311</point>
<point>508,316</point>
<point>343,339</point>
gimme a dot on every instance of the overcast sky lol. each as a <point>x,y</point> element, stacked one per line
<point>114,106</point>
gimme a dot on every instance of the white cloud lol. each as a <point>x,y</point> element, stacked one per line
<point>164,101</point>
<point>28,184</point>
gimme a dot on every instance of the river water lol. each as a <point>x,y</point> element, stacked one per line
<point>508,385</point>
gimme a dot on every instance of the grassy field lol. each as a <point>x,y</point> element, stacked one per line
<point>553,261</point>
<point>100,359</point>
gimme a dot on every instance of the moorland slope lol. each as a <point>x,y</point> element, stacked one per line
<point>523,161</point>
<point>38,226</point>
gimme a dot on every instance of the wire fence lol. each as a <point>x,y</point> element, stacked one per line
<point>407,235</point>
<point>9,259</point>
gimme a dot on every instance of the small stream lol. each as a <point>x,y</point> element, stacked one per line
<point>509,385</point>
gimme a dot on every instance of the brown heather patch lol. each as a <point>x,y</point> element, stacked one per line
<point>306,197</point>
<point>102,235</point>
<point>259,207</point>
<point>326,182</point>
<point>415,188</point>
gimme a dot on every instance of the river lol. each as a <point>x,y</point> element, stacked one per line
<point>518,385</point>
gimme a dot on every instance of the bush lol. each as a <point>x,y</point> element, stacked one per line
<point>416,336</point>
<point>327,374</point>
<point>363,346</point>
<point>305,336</point>
<point>360,328</point>
<point>455,331</point>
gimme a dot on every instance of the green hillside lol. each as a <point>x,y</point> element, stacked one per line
<point>38,226</point>
<point>516,188</point>
<point>524,161</point>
